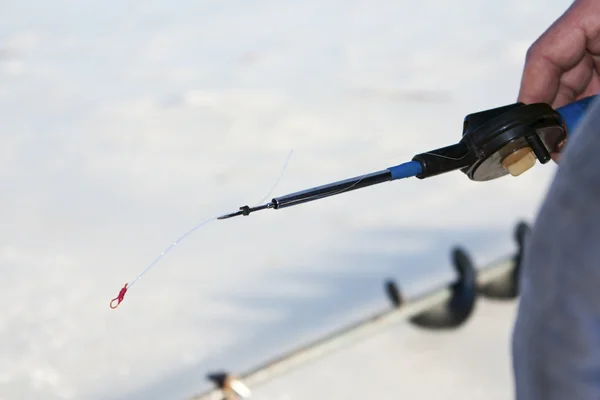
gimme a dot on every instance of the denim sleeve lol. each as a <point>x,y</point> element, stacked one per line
<point>556,337</point>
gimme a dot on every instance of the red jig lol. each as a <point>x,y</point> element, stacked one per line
<point>119,298</point>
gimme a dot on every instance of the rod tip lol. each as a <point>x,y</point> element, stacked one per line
<point>233,214</point>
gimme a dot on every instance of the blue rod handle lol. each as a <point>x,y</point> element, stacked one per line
<point>573,113</point>
<point>405,170</point>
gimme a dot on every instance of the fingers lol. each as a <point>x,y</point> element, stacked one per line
<point>574,82</point>
<point>593,87</point>
<point>540,80</point>
<point>553,55</point>
<point>558,50</point>
<point>563,65</point>
<point>590,23</point>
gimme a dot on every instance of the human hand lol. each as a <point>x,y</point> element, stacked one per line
<point>563,64</point>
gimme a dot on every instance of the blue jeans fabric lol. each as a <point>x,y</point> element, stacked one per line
<point>556,336</point>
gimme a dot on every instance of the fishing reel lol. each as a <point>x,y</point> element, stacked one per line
<point>505,140</point>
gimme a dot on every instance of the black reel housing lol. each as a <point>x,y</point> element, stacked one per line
<point>492,135</point>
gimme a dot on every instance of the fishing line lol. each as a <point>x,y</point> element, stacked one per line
<point>285,164</point>
<point>447,157</point>
<point>114,303</point>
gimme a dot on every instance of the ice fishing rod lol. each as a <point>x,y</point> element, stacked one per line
<point>495,142</point>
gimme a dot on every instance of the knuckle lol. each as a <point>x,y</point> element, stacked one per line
<point>533,52</point>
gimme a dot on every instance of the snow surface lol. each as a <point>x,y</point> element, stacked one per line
<point>123,124</point>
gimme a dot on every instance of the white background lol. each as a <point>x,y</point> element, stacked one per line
<point>123,124</point>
